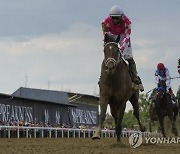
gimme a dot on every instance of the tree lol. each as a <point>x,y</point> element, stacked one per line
<point>109,121</point>
<point>129,121</point>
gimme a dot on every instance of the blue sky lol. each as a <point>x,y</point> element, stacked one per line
<point>60,42</point>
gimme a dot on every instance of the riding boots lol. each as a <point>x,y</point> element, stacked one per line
<point>136,79</point>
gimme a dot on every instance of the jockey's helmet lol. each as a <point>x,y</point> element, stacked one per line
<point>160,66</point>
<point>115,11</point>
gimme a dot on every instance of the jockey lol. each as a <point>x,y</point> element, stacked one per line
<point>162,73</point>
<point>118,25</point>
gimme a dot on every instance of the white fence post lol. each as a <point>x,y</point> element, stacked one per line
<point>68,133</point>
<point>35,133</point>
<point>9,133</point>
<point>27,133</point>
<point>79,133</point>
<point>56,133</point>
<point>18,132</point>
<point>63,132</point>
<point>74,133</point>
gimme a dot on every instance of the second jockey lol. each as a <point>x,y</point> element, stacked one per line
<point>162,73</point>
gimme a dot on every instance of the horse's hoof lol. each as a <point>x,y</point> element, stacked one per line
<point>143,128</point>
<point>118,140</point>
<point>95,137</point>
<point>164,135</point>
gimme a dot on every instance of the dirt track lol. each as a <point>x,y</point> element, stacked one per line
<point>81,146</point>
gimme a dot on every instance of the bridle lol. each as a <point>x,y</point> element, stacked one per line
<point>108,60</point>
<point>114,61</point>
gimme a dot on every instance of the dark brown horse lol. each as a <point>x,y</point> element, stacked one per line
<point>115,88</point>
<point>152,110</point>
<point>164,107</point>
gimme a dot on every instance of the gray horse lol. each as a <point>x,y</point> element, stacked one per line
<point>115,89</point>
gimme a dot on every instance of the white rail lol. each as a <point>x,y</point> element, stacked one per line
<point>52,132</point>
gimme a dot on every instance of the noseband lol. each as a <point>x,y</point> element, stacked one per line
<point>108,60</point>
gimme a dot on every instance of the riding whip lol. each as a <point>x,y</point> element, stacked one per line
<point>175,77</point>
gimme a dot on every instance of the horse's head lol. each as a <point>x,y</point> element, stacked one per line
<point>161,88</point>
<point>111,54</point>
<point>153,95</point>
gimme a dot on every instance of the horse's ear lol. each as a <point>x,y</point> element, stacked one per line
<point>105,38</point>
<point>117,39</point>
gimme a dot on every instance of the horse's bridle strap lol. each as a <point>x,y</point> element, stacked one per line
<point>110,60</point>
<point>111,43</point>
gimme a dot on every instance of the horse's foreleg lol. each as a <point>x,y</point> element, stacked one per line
<point>173,123</point>
<point>141,126</point>
<point>102,116</point>
<point>120,115</point>
<point>136,114</point>
<point>161,122</point>
<point>175,112</point>
<point>134,101</point>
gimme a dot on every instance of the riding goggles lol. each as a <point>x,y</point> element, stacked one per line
<point>116,17</point>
